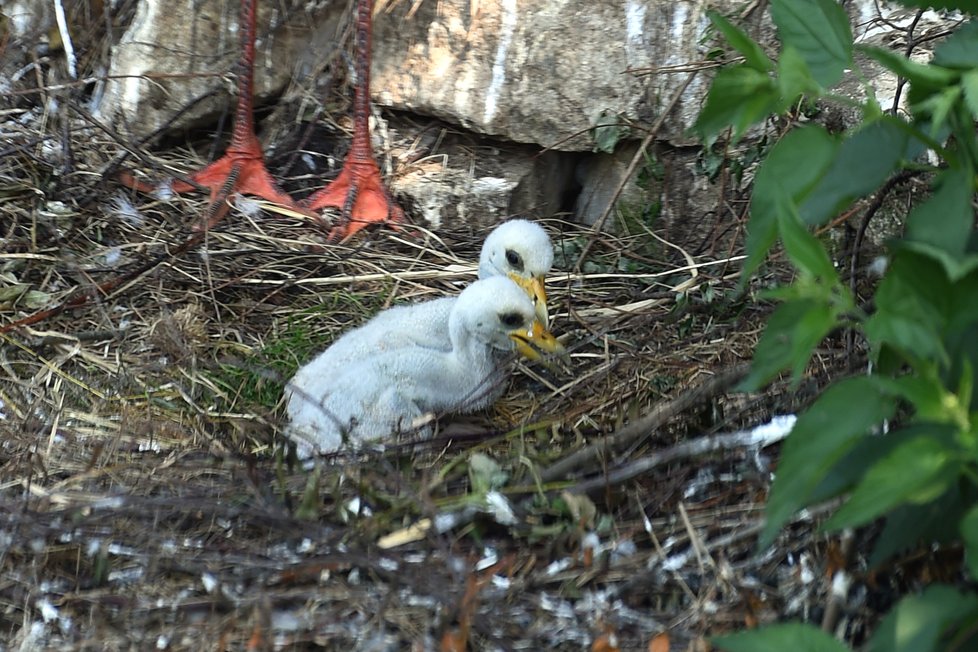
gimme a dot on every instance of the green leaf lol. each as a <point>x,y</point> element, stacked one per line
<point>923,272</point>
<point>797,637</point>
<point>960,49</point>
<point>914,340</point>
<point>918,471</point>
<point>946,219</point>
<point>310,502</point>
<point>963,309</point>
<point>485,474</point>
<point>917,623</point>
<point>608,132</point>
<point>938,106</point>
<point>11,293</point>
<point>923,391</point>
<point>739,97</point>
<point>964,147</point>
<point>792,332</point>
<point>925,80</point>
<point>956,267</point>
<point>915,284</point>
<point>969,82</point>
<point>935,522</point>
<point>794,78</point>
<point>861,164</point>
<point>819,30</point>
<point>969,532</point>
<point>921,76</point>
<point>838,420</point>
<point>805,251</point>
<point>851,468</point>
<point>791,169</point>
<point>911,306</point>
<point>34,300</point>
<point>966,386</point>
<point>744,44</point>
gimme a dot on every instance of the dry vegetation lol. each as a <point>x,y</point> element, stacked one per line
<point>148,499</point>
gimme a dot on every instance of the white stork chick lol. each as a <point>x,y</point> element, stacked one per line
<point>519,249</point>
<point>389,391</point>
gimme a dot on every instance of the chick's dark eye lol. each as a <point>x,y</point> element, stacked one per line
<point>515,260</point>
<point>511,320</point>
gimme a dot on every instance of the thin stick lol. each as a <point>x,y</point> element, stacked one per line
<point>647,423</point>
<point>690,448</point>
<point>59,13</point>
<point>83,297</point>
<point>639,155</point>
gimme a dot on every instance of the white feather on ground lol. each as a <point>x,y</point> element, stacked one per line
<point>387,392</point>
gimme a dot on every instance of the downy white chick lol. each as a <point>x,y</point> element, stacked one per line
<point>387,392</point>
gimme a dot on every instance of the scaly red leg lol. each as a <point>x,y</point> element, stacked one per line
<point>359,190</point>
<point>242,168</point>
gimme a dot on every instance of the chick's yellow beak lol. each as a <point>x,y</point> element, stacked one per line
<point>533,287</point>
<point>536,341</point>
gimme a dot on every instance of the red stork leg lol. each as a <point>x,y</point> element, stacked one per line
<point>358,191</point>
<point>242,168</point>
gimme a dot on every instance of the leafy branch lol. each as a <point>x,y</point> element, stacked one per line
<point>901,441</point>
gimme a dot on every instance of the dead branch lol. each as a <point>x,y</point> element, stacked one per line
<point>641,427</point>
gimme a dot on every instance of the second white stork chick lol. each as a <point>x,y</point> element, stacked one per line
<point>387,392</point>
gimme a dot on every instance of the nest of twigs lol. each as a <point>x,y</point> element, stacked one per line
<point>149,499</point>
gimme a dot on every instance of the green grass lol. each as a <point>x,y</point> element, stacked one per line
<point>258,379</point>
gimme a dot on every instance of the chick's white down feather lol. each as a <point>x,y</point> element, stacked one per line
<point>386,392</point>
<point>517,247</point>
<point>426,324</point>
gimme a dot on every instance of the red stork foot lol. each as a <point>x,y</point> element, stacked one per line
<point>241,170</point>
<point>362,198</point>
